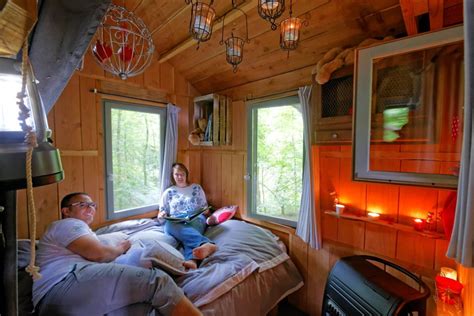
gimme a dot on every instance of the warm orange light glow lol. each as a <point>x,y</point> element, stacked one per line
<point>339,208</point>
<point>418,220</point>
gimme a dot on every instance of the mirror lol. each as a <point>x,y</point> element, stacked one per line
<point>409,110</point>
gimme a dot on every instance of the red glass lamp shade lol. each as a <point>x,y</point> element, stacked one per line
<point>449,290</point>
<point>101,51</point>
<point>125,53</point>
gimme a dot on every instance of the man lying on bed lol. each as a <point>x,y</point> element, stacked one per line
<point>79,278</point>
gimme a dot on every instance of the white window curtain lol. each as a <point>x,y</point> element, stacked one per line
<point>462,239</point>
<point>171,144</point>
<point>306,227</point>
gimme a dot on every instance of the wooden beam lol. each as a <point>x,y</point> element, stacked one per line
<point>409,16</point>
<point>436,11</point>
<point>233,15</point>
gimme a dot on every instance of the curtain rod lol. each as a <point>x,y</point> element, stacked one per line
<point>96,91</point>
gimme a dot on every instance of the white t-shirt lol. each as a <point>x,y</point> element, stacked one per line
<point>178,202</point>
<point>53,258</point>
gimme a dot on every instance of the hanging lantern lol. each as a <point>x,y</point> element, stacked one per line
<point>234,50</point>
<point>234,45</point>
<point>122,44</point>
<point>290,31</point>
<point>271,10</point>
<point>202,19</point>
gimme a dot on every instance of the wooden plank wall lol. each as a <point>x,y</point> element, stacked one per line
<point>77,124</point>
<point>221,170</point>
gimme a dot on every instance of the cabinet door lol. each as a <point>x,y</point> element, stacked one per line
<point>332,104</point>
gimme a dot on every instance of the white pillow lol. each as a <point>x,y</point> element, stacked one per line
<point>165,257</point>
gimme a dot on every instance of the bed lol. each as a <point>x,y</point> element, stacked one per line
<point>249,274</point>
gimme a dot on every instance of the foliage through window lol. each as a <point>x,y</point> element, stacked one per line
<point>275,160</point>
<point>134,141</point>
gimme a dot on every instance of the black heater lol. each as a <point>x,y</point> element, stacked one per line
<point>356,286</point>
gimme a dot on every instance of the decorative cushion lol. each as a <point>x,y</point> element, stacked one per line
<point>221,215</point>
<point>166,257</point>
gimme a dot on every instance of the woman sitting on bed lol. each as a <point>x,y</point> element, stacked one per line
<point>180,200</point>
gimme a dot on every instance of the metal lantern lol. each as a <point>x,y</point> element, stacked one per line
<point>202,19</point>
<point>122,44</point>
<point>234,50</point>
<point>290,33</point>
<point>270,10</point>
<point>234,45</point>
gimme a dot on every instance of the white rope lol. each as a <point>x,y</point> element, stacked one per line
<point>30,139</point>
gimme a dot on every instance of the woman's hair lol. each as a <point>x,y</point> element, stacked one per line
<point>179,166</point>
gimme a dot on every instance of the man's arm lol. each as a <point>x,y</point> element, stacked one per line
<point>93,250</point>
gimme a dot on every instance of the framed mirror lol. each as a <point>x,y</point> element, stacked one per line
<point>409,110</point>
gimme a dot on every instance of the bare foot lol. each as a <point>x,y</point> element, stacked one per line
<point>204,251</point>
<point>190,264</point>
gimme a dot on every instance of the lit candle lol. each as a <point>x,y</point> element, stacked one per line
<point>234,51</point>
<point>339,208</point>
<point>373,215</point>
<point>419,224</point>
<point>291,33</point>
<point>449,273</point>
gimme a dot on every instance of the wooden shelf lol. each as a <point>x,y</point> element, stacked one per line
<point>401,227</point>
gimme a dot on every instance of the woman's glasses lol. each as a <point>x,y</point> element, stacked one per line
<point>83,205</point>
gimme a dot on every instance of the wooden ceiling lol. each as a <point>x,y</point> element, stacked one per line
<point>331,23</point>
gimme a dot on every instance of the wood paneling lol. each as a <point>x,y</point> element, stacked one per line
<point>415,249</point>
<point>212,177</point>
<point>380,240</point>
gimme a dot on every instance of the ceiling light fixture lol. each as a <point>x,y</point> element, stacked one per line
<point>271,10</point>
<point>202,19</point>
<point>290,31</point>
<point>122,44</point>
<point>234,45</point>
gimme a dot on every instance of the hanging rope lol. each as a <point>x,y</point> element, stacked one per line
<point>30,140</point>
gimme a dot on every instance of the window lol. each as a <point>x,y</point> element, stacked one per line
<point>134,146</point>
<point>275,160</point>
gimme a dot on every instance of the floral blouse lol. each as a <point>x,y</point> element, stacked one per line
<point>179,202</point>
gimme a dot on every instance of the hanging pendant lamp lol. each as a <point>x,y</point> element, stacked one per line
<point>122,44</point>
<point>271,10</point>
<point>290,31</point>
<point>202,19</point>
<point>234,45</point>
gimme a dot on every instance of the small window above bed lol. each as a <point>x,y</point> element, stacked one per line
<point>275,159</point>
<point>134,146</point>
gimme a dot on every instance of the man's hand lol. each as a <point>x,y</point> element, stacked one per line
<point>124,245</point>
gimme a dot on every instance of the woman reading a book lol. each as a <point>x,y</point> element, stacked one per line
<point>182,205</point>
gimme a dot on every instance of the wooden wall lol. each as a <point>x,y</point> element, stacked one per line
<point>221,171</point>
<point>77,124</point>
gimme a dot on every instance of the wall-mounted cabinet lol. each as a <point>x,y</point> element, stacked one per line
<point>213,116</point>
<point>332,104</point>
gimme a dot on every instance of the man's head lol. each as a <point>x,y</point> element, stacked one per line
<point>78,205</point>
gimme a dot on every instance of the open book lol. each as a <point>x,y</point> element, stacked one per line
<point>188,218</point>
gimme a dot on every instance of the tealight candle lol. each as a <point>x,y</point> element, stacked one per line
<point>419,224</point>
<point>449,273</point>
<point>373,215</point>
<point>339,209</point>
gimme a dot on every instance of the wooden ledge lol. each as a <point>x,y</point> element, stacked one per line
<point>400,227</point>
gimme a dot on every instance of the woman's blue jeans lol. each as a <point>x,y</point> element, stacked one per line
<point>189,234</point>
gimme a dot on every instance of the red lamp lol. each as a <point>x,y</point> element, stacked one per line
<point>448,290</point>
<point>419,224</point>
<point>101,51</point>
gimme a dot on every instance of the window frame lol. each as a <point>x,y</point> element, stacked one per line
<point>108,105</point>
<point>252,108</point>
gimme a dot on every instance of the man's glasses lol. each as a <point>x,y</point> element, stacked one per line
<point>83,205</point>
